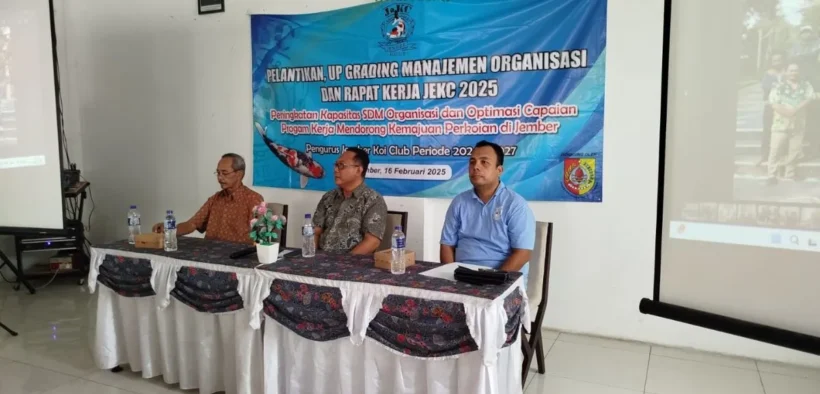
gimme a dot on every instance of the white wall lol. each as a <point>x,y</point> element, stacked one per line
<point>158,93</point>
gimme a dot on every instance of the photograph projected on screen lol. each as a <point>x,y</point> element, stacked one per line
<point>775,183</point>
<point>739,234</point>
<point>777,154</point>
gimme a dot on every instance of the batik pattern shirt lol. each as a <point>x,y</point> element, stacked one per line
<point>227,214</point>
<point>784,93</point>
<point>345,221</point>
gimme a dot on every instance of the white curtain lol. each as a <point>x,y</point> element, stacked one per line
<point>211,352</point>
<point>297,365</point>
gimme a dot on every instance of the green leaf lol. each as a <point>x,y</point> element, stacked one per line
<point>274,236</point>
<point>253,235</point>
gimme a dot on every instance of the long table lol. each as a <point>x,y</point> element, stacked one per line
<point>329,324</point>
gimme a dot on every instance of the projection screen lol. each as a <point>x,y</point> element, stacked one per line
<point>739,201</point>
<point>30,157</point>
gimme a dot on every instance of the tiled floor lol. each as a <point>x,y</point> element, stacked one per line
<point>587,365</point>
<point>52,356</point>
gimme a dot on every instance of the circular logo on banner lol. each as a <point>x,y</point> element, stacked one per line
<point>397,27</point>
<point>579,175</point>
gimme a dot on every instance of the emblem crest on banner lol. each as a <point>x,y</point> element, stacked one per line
<point>579,175</point>
<point>397,27</point>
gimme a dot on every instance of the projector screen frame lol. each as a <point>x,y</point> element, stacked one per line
<point>60,131</point>
<point>772,335</point>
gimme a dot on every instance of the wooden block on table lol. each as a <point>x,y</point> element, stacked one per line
<point>383,258</point>
<point>149,241</point>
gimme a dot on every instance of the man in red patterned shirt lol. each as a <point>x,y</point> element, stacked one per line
<point>227,214</point>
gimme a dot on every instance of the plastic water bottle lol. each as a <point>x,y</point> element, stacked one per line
<point>133,224</point>
<point>308,243</point>
<point>170,232</point>
<point>398,243</point>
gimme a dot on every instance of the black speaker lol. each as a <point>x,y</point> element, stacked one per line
<point>70,178</point>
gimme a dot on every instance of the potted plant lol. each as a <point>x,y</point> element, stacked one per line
<point>264,227</point>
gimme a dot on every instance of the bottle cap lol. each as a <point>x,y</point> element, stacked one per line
<point>307,216</point>
<point>133,207</point>
<point>397,228</point>
<point>169,212</point>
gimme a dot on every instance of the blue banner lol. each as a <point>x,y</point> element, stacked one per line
<point>418,83</point>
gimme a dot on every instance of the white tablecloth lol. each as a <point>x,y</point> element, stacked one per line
<point>211,352</point>
<point>297,365</point>
<point>159,335</point>
<point>361,302</point>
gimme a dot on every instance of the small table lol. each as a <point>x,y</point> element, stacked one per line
<point>72,238</point>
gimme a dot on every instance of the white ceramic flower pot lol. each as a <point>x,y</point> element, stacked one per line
<point>267,254</point>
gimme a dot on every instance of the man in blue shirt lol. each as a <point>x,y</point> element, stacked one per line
<point>489,225</point>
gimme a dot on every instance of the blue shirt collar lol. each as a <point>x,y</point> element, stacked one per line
<point>501,187</point>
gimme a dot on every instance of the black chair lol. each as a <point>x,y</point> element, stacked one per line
<point>394,218</point>
<point>537,291</point>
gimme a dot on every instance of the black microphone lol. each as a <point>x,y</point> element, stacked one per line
<point>242,253</point>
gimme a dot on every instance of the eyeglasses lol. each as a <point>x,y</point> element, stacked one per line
<point>342,166</point>
<point>223,173</point>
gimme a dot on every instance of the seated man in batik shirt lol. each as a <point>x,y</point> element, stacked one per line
<point>350,218</point>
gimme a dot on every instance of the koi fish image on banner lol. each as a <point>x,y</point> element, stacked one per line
<point>300,162</point>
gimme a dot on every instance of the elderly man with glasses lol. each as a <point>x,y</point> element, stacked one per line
<point>350,218</point>
<point>227,214</point>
